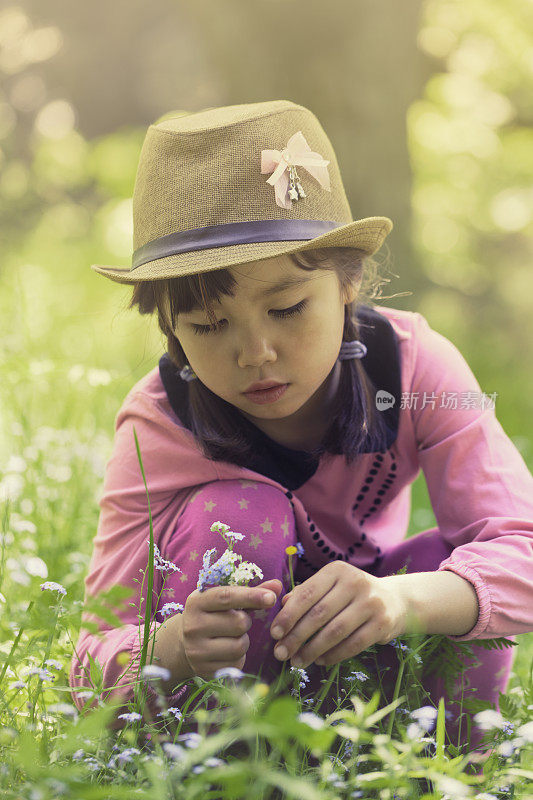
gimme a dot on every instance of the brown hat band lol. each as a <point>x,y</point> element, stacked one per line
<point>266,230</point>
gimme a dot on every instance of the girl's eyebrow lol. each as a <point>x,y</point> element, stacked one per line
<point>278,287</point>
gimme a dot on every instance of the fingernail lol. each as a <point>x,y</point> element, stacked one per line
<point>281,652</point>
<point>269,597</point>
<point>276,632</point>
<point>297,662</point>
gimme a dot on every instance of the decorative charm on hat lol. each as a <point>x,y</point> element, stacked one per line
<point>285,178</point>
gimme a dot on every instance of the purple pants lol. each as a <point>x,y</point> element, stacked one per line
<point>263,514</point>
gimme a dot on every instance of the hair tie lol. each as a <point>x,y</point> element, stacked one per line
<point>355,349</point>
<point>187,373</point>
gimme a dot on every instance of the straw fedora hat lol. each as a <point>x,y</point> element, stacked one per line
<point>235,184</point>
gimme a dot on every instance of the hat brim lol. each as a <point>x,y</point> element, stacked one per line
<point>366,234</point>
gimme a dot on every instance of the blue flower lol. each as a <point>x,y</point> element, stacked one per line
<point>425,717</point>
<point>133,716</point>
<point>358,676</point>
<point>152,672</point>
<point>302,675</point>
<point>219,572</point>
<point>170,608</point>
<point>300,549</point>
<point>53,663</point>
<point>229,672</point>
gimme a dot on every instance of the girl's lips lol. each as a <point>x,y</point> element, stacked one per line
<point>267,395</point>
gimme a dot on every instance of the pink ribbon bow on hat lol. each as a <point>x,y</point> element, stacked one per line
<point>296,154</point>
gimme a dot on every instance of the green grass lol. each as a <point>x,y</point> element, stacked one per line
<point>58,415</point>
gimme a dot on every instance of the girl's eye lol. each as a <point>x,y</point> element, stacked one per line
<point>282,313</point>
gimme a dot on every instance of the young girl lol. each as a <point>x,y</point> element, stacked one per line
<point>245,246</point>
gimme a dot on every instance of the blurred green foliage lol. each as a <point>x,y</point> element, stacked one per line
<point>471,146</point>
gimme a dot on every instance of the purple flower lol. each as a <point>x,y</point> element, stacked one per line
<point>160,563</point>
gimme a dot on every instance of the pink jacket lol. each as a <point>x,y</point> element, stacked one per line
<point>480,488</point>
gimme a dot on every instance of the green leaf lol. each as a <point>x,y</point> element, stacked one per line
<point>508,707</point>
<point>96,673</point>
<point>440,730</point>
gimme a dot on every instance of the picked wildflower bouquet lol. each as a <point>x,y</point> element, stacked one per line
<point>227,571</point>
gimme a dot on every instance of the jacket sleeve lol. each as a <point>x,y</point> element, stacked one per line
<point>121,549</point>
<point>479,485</point>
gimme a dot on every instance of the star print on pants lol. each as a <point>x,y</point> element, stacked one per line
<point>209,505</point>
<point>266,525</point>
<point>244,504</point>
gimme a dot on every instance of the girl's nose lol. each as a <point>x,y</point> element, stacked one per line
<point>254,351</point>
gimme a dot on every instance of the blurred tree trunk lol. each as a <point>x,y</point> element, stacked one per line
<point>354,63</point>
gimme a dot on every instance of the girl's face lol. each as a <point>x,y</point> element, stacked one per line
<point>289,335</point>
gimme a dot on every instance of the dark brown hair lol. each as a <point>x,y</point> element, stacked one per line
<point>218,426</point>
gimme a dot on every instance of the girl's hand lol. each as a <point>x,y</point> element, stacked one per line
<point>214,624</point>
<point>350,609</point>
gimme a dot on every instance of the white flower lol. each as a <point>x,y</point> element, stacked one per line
<point>53,587</point>
<point>414,731</point>
<point>133,716</point>
<point>488,719</point>
<point>455,788</point>
<point>506,749</point>
<point>485,796</point>
<point>229,672</point>
<point>526,731</point>
<point>313,720</point>
<point>425,717</point>
<point>171,710</point>
<point>219,527</point>
<point>245,572</point>
<point>154,672</point>
<point>238,537</point>
<point>85,694</point>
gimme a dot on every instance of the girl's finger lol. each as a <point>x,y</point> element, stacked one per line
<point>301,599</point>
<point>324,617</point>
<point>354,644</point>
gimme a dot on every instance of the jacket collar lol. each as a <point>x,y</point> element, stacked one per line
<point>292,468</point>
